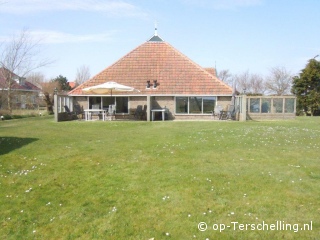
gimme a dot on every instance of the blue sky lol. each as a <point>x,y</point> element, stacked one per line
<point>237,35</point>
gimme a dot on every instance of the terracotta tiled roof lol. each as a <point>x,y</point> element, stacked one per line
<point>157,60</point>
<point>211,71</point>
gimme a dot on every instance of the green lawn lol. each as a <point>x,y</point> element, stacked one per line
<point>145,180</point>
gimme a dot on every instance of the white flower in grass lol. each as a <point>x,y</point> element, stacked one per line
<point>34,231</point>
<point>165,197</point>
<point>167,234</point>
<point>189,215</point>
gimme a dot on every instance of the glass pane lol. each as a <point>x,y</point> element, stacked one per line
<point>195,105</point>
<point>94,101</point>
<point>181,105</point>
<point>106,101</point>
<point>266,105</point>
<point>122,105</point>
<point>255,105</point>
<point>289,105</point>
<point>277,105</point>
<point>208,104</point>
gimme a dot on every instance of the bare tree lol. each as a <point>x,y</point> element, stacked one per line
<point>83,74</point>
<point>226,76</point>
<point>250,83</point>
<point>279,81</point>
<point>36,78</point>
<point>19,57</point>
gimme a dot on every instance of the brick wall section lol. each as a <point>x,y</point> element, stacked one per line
<point>82,101</point>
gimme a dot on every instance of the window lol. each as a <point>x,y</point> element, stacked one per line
<point>23,99</point>
<point>195,105</point>
<point>254,105</point>
<point>32,99</point>
<point>120,102</point>
<point>208,104</point>
<point>182,105</point>
<point>265,105</point>
<point>289,105</point>
<point>277,105</point>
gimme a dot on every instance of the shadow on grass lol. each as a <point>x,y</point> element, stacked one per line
<point>8,144</point>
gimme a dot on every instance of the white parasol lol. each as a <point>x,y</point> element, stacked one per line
<point>108,87</point>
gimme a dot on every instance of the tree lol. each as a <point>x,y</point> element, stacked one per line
<point>19,57</point>
<point>306,87</point>
<point>36,78</point>
<point>48,93</point>
<point>226,76</point>
<point>279,81</point>
<point>63,83</point>
<point>83,74</point>
<point>251,83</point>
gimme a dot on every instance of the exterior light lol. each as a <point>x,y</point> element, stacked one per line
<point>148,84</point>
<point>154,83</point>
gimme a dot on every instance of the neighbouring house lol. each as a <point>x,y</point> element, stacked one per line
<point>24,95</point>
<point>72,84</point>
<point>166,79</point>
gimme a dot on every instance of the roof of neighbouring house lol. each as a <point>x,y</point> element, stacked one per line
<point>18,84</point>
<point>157,60</point>
<point>72,84</point>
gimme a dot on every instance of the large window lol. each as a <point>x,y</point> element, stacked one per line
<point>208,104</point>
<point>289,105</point>
<point>195,105</point>
<point>122,104</point>
<point>255,105</point>
<point>182,105</point>
<point>277,105</point>
<point>104,102</point>
<point>265,105</point>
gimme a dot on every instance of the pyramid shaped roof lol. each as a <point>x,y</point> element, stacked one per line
<point>157,60</point>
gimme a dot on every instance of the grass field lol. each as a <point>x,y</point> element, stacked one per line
<point>159,180</point>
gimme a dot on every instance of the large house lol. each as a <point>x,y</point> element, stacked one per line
<point>165,78</point>
<point>24,95</point>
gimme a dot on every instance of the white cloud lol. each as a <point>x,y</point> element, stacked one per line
<point>49,37</point>
<point>224,4</point>
<point>55,37</point>
<point>113,7</point>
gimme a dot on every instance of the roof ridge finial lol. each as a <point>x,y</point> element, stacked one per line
<point>155,29</point>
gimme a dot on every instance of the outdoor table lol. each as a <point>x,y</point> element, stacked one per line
<point>163,110</point>
<point>88,113</point>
